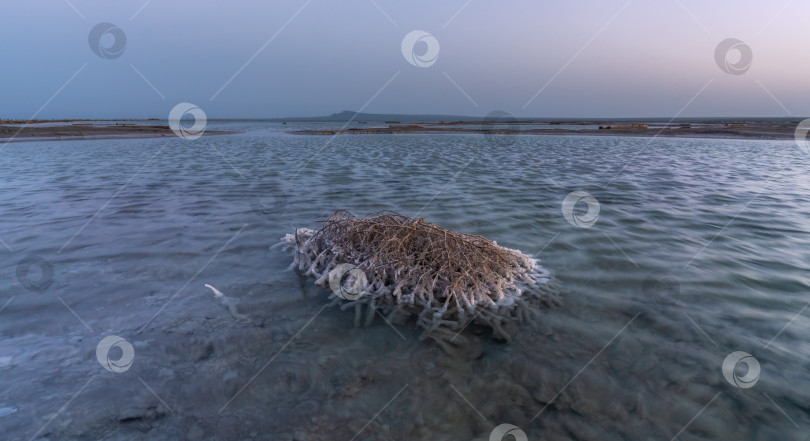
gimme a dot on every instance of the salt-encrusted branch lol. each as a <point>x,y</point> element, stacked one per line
<point>229,303</point>
<point>444,279</point>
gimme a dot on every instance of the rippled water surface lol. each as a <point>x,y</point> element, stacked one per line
<point>701,248</point>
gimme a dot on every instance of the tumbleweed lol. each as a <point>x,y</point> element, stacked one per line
<point>408,268</point>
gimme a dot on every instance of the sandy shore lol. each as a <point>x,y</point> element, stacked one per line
<point>67,130</point>
<point>697,128</point>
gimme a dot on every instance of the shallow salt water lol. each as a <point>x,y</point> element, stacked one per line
<point>701,248</point>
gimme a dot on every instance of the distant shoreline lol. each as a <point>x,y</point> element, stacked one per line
<point>753,129</point>
<point>68,130</point>
<point>85,129</point>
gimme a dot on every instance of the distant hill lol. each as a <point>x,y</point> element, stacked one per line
<point>347,115</point>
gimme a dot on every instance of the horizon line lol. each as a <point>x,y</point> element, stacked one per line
<point>415,115</point>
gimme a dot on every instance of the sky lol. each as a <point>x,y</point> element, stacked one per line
<point>267,59</point>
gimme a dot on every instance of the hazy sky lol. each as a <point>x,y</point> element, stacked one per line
<point>585,58</point>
